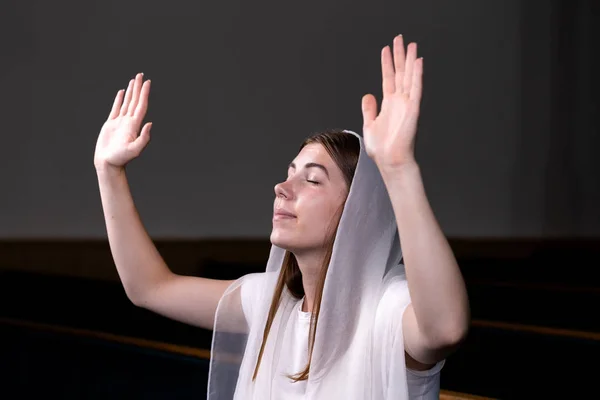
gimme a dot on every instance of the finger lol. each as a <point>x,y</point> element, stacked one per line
<point>387,71</point>
<point>416,90</point>
<point>141,141</point>
<point>127,99</point>
<point>399,61</point>
<point>137,85</point>
<point>411,56</point>
<point>369,109</point>
<point>116,105</point>
<point>142,106</point>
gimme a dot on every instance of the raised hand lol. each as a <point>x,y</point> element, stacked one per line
<point>390,136</point>
<point>118,141</point>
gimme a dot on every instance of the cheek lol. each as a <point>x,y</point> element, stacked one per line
<point>319,214</point>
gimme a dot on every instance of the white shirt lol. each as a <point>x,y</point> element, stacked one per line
<point>422,385</point>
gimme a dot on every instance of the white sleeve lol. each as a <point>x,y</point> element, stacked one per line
<point>425,383</point>
<point>394,301</point>
<point>250,290</point>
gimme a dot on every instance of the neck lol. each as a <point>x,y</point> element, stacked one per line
<point>310,266</point>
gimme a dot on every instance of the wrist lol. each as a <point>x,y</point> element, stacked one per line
<point>107,171</point>
<point>399,171</point>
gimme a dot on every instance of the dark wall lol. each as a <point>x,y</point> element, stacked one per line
<point>557,171</point>
<point>507,142</point>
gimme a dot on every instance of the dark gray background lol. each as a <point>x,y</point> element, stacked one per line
<point>509,128</point>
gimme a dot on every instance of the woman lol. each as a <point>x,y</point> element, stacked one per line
<point>336,314</point>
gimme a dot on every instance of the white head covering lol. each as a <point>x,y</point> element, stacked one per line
<point>345,365</point>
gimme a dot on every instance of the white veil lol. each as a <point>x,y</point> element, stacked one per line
<point>347,362</point>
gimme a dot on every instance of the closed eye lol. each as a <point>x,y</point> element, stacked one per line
<point>313,182</point>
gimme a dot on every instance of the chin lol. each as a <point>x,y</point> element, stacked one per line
<point>287,240</point>
<point>279,240</point>
<point>292,243</point>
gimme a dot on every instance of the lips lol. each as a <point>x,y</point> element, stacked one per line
<point>281,213</point>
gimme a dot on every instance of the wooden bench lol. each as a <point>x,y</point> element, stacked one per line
<point>166,347</point>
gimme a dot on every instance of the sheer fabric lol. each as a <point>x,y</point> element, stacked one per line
<point>347,362</point>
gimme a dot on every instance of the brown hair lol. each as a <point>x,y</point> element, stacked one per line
<point>344,149</point>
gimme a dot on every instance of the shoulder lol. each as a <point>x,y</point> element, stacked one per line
<point>250,287</point>
<point>394,299</point>
<point>256,290</point>
<point>250,282</point>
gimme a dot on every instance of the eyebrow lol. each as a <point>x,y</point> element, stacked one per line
<point>311,165</point>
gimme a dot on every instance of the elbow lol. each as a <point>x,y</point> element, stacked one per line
<point>134,295</point>
<point>455,335</point>
<point>142,293</point>
<point>459,331</point>
<point>455,328</point>
<point>136,301</point>
<point>133,298</point>
<point>450,335</point>
<point>446,341</point>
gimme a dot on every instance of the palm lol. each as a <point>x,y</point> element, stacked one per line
<point>118,141</point>
<point>389,136</point>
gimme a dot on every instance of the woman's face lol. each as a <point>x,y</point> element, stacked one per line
<point>308,204</point>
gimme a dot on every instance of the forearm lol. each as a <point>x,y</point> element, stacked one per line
<point>138,262</point>
<point>436,286</point>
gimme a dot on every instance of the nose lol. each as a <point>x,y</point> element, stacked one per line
<point>283,190</point>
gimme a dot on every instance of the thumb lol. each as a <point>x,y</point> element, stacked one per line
<point>369,109</point>
<point>141,141</point>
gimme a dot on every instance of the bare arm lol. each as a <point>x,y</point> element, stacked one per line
<point>438,318</point>
<point>146,278</point>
